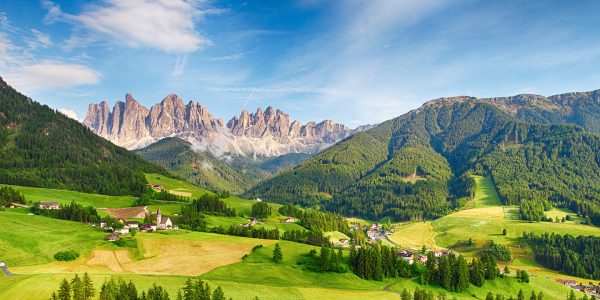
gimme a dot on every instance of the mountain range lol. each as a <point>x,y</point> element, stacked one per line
<point>263,133</point>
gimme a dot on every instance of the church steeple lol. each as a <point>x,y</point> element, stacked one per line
<point>158,216</point>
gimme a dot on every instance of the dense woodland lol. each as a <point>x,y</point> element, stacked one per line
<point>417,166</point>
<point>316,220</point>
<point>577,256</point>
<point>42,148</point>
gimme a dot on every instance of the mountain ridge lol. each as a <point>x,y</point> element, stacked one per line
<point>268,133</point>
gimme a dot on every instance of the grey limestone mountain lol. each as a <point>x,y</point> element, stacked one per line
<point>265,133</point>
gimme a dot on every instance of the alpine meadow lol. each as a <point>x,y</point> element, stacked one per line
<point>299,150</point>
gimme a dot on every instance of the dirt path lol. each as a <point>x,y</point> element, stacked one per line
<point>6,271</point>
<point>387,288</point>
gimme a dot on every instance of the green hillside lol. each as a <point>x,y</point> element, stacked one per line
<point>234,173</point>
<point>42,148</point>
<point>418,165</point>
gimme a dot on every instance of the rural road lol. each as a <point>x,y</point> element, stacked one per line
<point>387,288</point>
<point>6,271</point>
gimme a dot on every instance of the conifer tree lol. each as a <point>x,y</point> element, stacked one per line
<point>88,287</point>
<point>77,288</point>
<point>218,294</point>
<point>277,254</point>
<point>64,291</point>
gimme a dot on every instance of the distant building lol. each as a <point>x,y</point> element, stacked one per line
<point>423,258</point>
<point>253,220</point>
<point>150,227</point>
<point>124,230</point>
<point>387,232</point>
<point>288,220</point>
<point>133,224</point>
<point>163,223</point>
<point>156,187</point>
<point>49,205</point>
<point>258,200</point>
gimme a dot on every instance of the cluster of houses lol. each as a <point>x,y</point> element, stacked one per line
<point>162,223</point>
<point>376,233</point>
<point>589,289</point>
<point>344,243</point>
<point>254,220</point>
<point>411,255</point>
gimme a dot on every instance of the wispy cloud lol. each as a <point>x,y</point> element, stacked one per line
<point>50,75</point>
<point>166,25</point>
<point>69,113</point>
<point>235,56</point>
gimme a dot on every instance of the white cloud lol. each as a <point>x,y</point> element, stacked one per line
<point>39,40</point>
<point>69,113</point>
<point>179,66</point>
<point>50,75</point>
<point>166,25</point>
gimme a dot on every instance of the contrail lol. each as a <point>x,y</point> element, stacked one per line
<point>249,96</point>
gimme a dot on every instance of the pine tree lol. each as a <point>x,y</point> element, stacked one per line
<point>77,288</point>
<point>405,295</point>
<point>532,297</point>
<point>88,287</point>
<point>218,294</point>
<point>540,296</point>
<point>64,291</point>
<point>520,296</point>
<point>461,275</point>
<point>489,296</point>
<point>572,296</point>
<point>277,254</point>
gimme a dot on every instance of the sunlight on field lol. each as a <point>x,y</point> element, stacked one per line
<point>414,235</point>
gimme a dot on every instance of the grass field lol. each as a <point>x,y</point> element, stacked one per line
<point>65,197</point>
<point>175,185</point>
<point>26,240</point>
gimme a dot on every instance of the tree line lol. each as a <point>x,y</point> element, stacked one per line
<point>72,212</point>
<point>316,220</point>
<point>83,289</point>
<point>577,256</point>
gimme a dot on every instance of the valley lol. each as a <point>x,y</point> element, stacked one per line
<point>169,258</point>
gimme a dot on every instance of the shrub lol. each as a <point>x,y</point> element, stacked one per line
<point>120,242</point>
<point>68,255</point>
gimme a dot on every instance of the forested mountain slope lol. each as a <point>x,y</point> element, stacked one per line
<point>42,148</point>
<point>233,173</point>
<point>416,166</point>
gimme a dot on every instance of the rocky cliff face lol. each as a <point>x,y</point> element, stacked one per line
<point>267,133</point>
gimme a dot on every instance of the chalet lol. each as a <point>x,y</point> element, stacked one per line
<point>156,187</point>
<point>423,258</point>
<point>258,200</point>
<point>132,224</point>
<point>337,244</point>
<point>150,227</point>
<point>113,237</point>
<point>405,253</point>
<point>373,235</point>
<point>374,226</point>
<point>288,220</point>
<point>245,225</point>
<point>49,205</point>
<point>253,220</point>
<point>387,232</point>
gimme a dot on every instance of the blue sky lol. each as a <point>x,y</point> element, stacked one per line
<point>355,62</point>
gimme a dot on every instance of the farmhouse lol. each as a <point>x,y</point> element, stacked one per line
<point>156,187</point>
<point>258,200</point>
<point>49,205</point>
<point>124,230</point>
<point>150,227</point>
<point>288,220</point>
<point>132,224</point>
<point>344,243</point>
<point>423,258</point>
<point>253,220</point>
